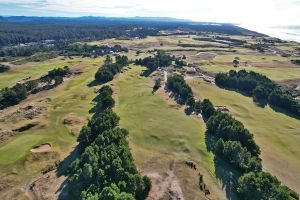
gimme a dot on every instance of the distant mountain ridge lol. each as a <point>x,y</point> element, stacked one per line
<point>88,19</point>
<point>102,18</point>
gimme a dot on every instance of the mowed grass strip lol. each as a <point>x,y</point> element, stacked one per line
<point>277,134</point>
<point>156,124</point>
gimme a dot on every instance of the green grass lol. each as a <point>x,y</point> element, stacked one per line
<point>38,57</point>
<point>74,97</point>
<point>34,70</point>
<point>276,74</point>
<point>18,148</point>
<point>250,58</point>
<point>156,125</point>
<point>160,133</point>
<point>276,133</point>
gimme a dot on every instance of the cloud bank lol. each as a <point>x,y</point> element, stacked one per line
<point>250,12</point>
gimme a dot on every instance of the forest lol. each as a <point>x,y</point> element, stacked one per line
<point>17,30</point>
<point>62,49</point>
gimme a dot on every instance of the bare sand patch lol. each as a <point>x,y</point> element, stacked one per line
<point>41,148</point>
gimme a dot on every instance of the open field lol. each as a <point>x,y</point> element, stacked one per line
<point>215,59</point>
<point>277,134</point>
<point>160,132</point>
<point>70,99</point>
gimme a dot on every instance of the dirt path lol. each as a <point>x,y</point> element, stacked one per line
<point>167,185</point>
<point>165,76</point>
<point>29,191</point>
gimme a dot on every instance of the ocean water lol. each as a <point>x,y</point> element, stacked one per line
<point>291,33</point>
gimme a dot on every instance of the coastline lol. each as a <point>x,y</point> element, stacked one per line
<point>291,33</point>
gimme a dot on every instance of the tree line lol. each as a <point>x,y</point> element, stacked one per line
<point>20,91</point>
<point>233,143</point>
<point>107,72</point>
<point>14,33</point>
<point>159,60</point>
<point>182,91</point>
<point>261,88</point>
<point>16,30</point>
<point>105,168</point>
<point>4,68</point>
<point>61,49</point>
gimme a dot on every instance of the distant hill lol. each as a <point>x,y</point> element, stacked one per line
<point>22,29</point>
<point>88,19</point>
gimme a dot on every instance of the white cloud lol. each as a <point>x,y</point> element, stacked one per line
<point>250,12</point>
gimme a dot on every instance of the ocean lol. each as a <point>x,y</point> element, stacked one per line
<point>291,33</point>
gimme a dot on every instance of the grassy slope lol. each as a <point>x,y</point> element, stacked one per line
<point>277,134</point>
<point>34,70</point>
<point>158,126</point>
<point>73,97</point>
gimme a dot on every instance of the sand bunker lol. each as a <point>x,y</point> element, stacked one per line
<point>41,148</point>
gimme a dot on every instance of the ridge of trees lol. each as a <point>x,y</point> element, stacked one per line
<point>229,140</point>
<point>182,91</point>
<point>20,91</point>
<point>261,88</point>
<point>105,168</point>
<point>107,72</point>
<point>234,144</point>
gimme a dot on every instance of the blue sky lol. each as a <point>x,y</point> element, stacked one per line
<point>247,12</point>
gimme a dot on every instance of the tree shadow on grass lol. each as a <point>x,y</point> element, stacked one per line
<point>94,83</point>
<point>146,73</point>
<point>263,103</point>
<point>228,177</point>
<point>284,111</point>
<point>62,170</point>
<point>224,172</point>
